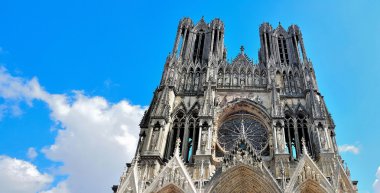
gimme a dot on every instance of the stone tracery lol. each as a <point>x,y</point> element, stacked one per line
<point>201,91</point>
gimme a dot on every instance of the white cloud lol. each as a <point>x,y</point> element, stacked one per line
<point>96,137</point>
<point>60,188</point>
<point>349,148</point>
<point>376,184</point>
<point>18,176</point>
<point>32,153</point>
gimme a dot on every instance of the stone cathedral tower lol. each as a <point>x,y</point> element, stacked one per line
<point>219,126</point>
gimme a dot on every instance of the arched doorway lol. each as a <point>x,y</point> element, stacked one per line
<point>170,188</point>
<point>310,186</point>
<point>244,179</point>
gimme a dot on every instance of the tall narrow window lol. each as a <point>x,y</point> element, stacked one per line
<point>299,49</point>
<point>195,50</point>
<point>285,50</point>
<point>303,131</point>
<point>175,132</point>
<point>215,41</point>
<point>290,137</point>
<point>268,44</point>
<point>201,48</point>
<point>180,44</point>
<point>184,47</point>
<point>280,49</point>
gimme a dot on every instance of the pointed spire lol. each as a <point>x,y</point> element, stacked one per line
<point>177,145</point>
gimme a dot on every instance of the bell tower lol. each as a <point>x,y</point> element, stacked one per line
<point>236,126</point>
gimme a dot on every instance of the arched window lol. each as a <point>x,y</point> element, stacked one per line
<point>303,131</point>
<point>283,50</point>
<point>290,137</point>
<point>176,131</point>
<point>190,141</point>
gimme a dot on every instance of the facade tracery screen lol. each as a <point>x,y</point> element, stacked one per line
<point>242,125</point>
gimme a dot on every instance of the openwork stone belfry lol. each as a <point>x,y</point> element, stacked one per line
<point>219,126</point>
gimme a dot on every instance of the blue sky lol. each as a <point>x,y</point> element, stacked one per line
<point>108,56</point>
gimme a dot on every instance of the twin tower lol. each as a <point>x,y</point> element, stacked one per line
<point>216,126</point>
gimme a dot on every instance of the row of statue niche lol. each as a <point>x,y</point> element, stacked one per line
<point>192,82</point>
<point>221,102</point>
<point>242,80</point>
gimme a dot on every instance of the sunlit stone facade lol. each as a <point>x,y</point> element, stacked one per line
<point>218,126</point>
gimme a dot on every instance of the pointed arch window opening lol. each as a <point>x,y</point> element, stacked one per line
<point>180,43</point>
<point>198,46</point>
<point>187,132</point>
<point>268,44</point>
<point>215,41</point>
<point>299,48</point>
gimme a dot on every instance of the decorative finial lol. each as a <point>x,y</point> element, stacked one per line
<point>203,17</point>
<point>242,49</point>
<point>177,144</point>
<point>279,23</point>
<point>304,149</point>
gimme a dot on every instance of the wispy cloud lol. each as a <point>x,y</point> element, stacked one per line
<point>349,148</point>
<point>376,184</point>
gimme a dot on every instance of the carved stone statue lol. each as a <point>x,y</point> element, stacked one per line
<point>153,141</point>
<point>280,140</point>
<point>323,138</point>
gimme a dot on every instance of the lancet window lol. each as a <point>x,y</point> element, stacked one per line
<point>176,131</point>
<point>185,127</point>
<point>296,129</point>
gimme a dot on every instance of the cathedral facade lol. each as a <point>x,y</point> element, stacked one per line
<point>219,126</point>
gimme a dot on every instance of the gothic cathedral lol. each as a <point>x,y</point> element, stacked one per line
<point>220,126</point>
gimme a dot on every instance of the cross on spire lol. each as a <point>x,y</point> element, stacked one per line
<point>242,49</point>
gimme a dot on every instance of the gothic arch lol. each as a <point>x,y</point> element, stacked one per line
<point>244,178</point>
<point>310,186</point>
<point>179,107</point>
<point>247,105</point>
<point>170,188</point>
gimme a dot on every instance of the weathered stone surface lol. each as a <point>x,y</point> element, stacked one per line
<point>218,126</point>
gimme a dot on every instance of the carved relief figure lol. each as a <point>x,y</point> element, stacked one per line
<point>280,140</point>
